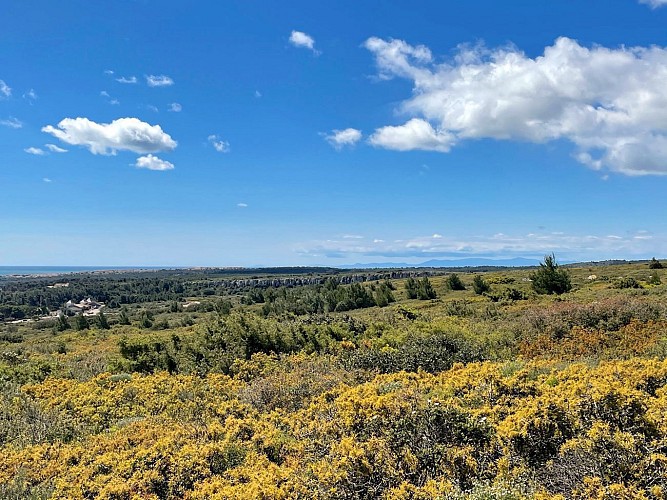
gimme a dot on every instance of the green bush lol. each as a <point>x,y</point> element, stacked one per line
<point>479,285</point>
<point>655,264</point>
<point>628,282</point>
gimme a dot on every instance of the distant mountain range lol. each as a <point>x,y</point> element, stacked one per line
<point>470,262</point>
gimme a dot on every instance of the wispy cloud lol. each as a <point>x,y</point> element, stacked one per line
<point>219,145</point>
<point>175,107</point>
<point>5,90</point>
<point>129,134</point>
<point>575,246</point>
<point>30,96</point>
<point>303,40</point>
<point>55,149</point>
<point>47,180</point>
<point>654,4</point>
<point>570,92</point>
<point>127,79</point>
<point>341,138</point>
<point>159,81</point>
<point>151,162</point>
<point>11,122</point>
<point>35,151</point>
<point>242,205</point>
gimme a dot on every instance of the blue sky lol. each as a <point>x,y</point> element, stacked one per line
<point>309,133</point>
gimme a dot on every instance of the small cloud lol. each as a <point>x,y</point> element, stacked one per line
<point>436,236</point>
<point>55,149</point>
<point>129,79</point>
<point>113,102</point>
<point>303,40</point>
<point>258,94</point>
<point>242,205</point>
<point>129,134</point>
<point>219,145</point>
<point>35,151</point>
<point>11,122</point>
<point>154,109</point>
<point>5,90</point>
<point>159,81</point>
<point>108,72</point>
<point>151,162</point>
<point>175,107</point>
<point>376,240</point>
<point>30,96</point>
<point>352,237</point>
<point>341,138</point>
<point>46,179</point>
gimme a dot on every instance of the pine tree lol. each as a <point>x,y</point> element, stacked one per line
<point>550,279</point>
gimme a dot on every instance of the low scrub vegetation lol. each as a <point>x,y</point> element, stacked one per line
<point>509,384</point>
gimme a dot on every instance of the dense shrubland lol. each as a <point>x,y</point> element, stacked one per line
<point>456,386</point>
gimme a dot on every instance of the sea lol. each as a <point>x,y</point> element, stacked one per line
<point>50,270</point>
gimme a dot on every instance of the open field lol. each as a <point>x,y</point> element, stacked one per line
<point>321,383</point>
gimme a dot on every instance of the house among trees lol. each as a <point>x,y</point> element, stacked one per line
<point>87,307</point>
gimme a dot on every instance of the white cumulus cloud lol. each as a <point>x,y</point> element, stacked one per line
<point>55,149</point>
<point>610,103</point>
<point>341,138</point>
<point>5,90</point>
<point>415,134</point>
<point>153,163</point>
<point>303,40</point>
<point>123,134</point>
<point>175,107</point>
<point>219,145</point>
<point>11,122</point>
<point>159,81</point>
<point>35,151</point>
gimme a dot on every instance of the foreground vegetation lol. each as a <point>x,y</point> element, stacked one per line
<point>506,384</point>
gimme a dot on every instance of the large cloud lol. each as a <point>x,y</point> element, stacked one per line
<point>610,103</point>
<point>129,134</point>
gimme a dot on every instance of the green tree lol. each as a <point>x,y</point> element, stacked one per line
<point>454,282</point>
<point>102,322</point>
<point>81,322</point>
<point>123,317</point>
<point>425,289</point>
<point>550,278</point>
<point>63,323</point>
<point>411,288</point>
<point>479,285</point>
<point>655,264</point>
<point>146,319</point>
